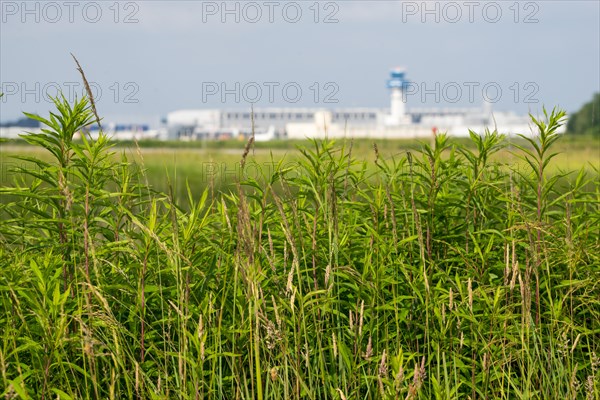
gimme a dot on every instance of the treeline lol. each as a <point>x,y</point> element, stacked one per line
<point>586,121</point>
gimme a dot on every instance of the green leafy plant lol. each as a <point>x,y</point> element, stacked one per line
<point>442,272</point>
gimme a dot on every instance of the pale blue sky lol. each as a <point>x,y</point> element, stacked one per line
<point>177,49</point>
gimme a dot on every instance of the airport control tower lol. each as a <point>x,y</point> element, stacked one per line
<point>398,84</point>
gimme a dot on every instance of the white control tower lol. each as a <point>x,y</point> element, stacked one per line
<point>398,84</point>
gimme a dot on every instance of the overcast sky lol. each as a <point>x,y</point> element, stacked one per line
<point>147,58</point>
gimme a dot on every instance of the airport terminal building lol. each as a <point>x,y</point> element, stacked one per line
<point>395,122</point>
<point>300,123</point>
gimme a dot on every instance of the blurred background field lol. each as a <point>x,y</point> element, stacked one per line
<point>216,164</point>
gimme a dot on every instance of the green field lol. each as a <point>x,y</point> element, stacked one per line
<point>333,270</point>
<point>217,164</point>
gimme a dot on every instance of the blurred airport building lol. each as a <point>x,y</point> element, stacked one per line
<point>396,122</point>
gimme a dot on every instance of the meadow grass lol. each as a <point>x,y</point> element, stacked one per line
<point>216,164</point>
<point>447,271</point>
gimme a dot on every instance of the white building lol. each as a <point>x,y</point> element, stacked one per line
<point>299,123</point>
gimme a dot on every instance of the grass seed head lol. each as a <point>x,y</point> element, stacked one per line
<point>327,273</point>
<point>515,272</point>
<point>589,388</point>
<point>334,344</point>
<point>290,278</point>
<point>470,290</point>
<point>88,91</point>
<point>362,312</point>
<point>383,369</point>
<point>575,343</point>
<point>292,299</point>
<point>399,378</point>
<point>246,151</point>
<point>369,352</point>
<point>444,313</point>
<point>563,344</point>
<point>422,372</point>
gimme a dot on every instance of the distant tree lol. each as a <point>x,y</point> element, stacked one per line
<point>587,119</point>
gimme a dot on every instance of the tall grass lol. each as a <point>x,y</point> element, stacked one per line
<point>443,274</point>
